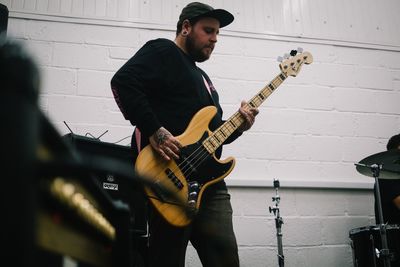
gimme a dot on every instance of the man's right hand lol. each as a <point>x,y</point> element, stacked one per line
<point>165,144</point>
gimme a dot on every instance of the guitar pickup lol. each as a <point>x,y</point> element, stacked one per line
<point>171,175</point>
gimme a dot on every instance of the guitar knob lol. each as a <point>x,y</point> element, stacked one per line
<point>300,50</point>
<point>192,203</point>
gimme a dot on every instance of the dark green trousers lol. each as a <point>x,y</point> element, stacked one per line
<point>210,233</point>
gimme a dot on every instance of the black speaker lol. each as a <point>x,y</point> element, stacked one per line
<point>118,188</point>
<point>3,19</point>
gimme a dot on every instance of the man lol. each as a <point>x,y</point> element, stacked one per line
<point>159,90</point>
<point>390,191</point>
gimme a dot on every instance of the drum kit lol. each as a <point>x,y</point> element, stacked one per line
<point>378,245</point>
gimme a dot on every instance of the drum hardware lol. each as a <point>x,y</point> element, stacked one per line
<point>383,165</point>
<point>278,222</point>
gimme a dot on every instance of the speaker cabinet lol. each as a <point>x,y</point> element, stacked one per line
<point>118,188</point>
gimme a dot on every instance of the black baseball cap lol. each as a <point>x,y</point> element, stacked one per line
<point>197,10</point>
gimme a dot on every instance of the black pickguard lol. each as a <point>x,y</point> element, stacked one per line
<point>198,165</point>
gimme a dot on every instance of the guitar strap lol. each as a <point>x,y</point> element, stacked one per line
<point>207,85</point>
<point>138,137</point>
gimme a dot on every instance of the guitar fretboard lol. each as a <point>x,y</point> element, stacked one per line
<point>219,136</point>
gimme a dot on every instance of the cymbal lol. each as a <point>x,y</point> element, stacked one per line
<point>389,160</point>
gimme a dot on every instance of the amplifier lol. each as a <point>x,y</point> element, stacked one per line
<point>118,188</point>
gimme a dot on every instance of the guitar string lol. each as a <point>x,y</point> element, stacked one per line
<point>203,153</point>
<point>255,98</point>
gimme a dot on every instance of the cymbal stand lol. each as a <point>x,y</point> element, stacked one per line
<point>384,252</point>
<point>278,223</point>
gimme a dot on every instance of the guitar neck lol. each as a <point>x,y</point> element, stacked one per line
<point>219,136</point>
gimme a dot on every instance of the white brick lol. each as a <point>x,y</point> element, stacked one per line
<point>332,74</point>
<point>368,57</point>
<point>331,123</point>
<point>258,201</point>
<point>354,100</point>
<point>316,148</point>
<point>383,125</point>
<point>89,8</point>
<point>94,83</point>
<point>122,52</point>
<point>335,230</point>
<point>16,28</point>
<point>375,78</point>
<point>302,97</point>
<point>253,69</point>
<point>357,148</point>
<point>56,31</point>
<point>360,203</point>
<point>258,256</point>
<point>17,4</point>
<point>320,202</point>
<point>387,102</point>
<point>319,256</point>
<point>41,52</point>
<point>234,91</point>
<point>301,231</point>
<point>77,7</point>
<point>294,170</point>
<point>246,168</point>
<point>266,49</point>
<point>112,36</point>
<point>228,45</point>
<point>266,146</point>
<point>76,109</point>
<point>41,5</point>
<point>282,121</point>
<point>254,231</point>
<point>58,81</point>
<point>82,56</point>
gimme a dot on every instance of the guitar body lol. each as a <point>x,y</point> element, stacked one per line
<point>186,178</point>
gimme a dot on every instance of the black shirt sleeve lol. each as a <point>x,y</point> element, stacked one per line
<point>132,85</point>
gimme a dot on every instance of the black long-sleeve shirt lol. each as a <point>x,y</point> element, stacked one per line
<point>162,86</point>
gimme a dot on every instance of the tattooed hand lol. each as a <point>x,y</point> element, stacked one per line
<point>249,114</point>
<point>165,144</point>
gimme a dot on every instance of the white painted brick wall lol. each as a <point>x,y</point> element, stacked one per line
<point>311,131</point>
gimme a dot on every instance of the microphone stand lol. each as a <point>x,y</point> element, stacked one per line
<point>278,223</point>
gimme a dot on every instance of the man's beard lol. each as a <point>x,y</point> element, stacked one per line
<point>194,52</point>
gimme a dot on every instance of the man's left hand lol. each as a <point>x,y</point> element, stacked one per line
<point>249,114</point>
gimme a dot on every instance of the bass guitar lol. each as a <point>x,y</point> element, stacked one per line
<point>197,168</point>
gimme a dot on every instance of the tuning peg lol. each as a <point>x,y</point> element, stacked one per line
<point>286,56</point>
<point>300,50</point>
<point>279,59</point>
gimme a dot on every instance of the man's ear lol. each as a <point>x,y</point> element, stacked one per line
<point>186,27</point>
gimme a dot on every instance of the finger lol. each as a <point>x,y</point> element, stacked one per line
<point>171,153</point>
<point>164,155</point>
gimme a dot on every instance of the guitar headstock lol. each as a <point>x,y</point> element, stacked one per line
<point>291,66</point>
